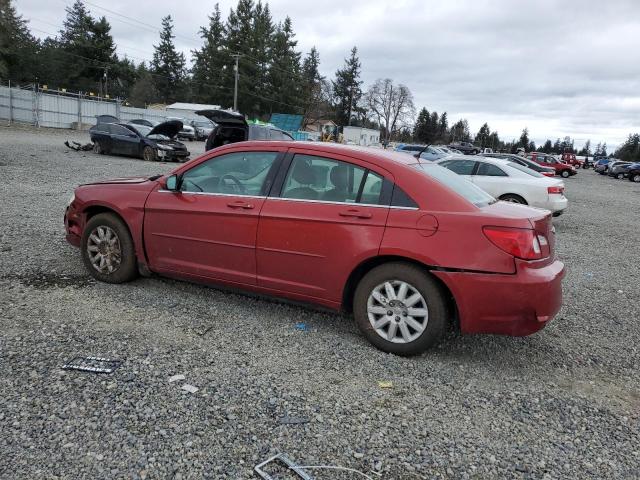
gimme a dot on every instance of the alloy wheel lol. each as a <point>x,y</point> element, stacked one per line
<point>104,250</point>
<point>397,311</point>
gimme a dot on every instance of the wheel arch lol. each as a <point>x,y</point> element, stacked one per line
<point>369,264</point>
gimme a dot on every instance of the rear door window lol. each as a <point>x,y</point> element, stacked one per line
<point>489,170</point>
<point>461,167</point>
<point>325,179</point>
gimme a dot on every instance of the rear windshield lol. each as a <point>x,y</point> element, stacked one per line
<point>524,169</point>
<point>458,184</point>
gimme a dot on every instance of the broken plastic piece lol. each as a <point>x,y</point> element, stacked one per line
<point>301,326</point>
<point>175,378</point>
<point>287,420</point>
<point>189,388</point>
<point>92,364</point>
<point>279,461</point>
<point>385,384</point>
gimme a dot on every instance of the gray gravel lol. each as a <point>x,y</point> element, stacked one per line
<point>564,403</point>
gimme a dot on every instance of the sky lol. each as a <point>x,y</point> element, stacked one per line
<point>557,67</point>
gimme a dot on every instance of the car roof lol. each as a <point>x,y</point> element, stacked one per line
<point>377,156</point>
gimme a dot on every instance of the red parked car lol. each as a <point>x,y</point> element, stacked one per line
<point>409,247</point>
<point>547,160</point>
<point>571,159</point>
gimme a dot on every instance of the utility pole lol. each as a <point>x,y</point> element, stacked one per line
<point>106,80</point>
<point>235,88</point>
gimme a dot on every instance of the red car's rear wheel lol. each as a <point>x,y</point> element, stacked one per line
<point>400,308</point>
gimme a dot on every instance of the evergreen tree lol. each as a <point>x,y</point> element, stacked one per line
<point>443,129</point>
<point>210,62</point>
<point>482,137</point>
<point>240,40</point>
<point>313,87</point>
<point>547,147</point>
<point>524,139</point>
<point>262,48</point>
<point>144,89</point>
<point>347,89</point>
<point>18,48</point>
<point>284,72</point>
<point>168,65</point>
<point>629,151</point>
<point>557,147</point>
<point>421,127</point>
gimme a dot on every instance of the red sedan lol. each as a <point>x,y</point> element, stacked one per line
<point>410,248</point>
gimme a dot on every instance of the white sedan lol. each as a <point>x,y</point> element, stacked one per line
<point>510,181</point>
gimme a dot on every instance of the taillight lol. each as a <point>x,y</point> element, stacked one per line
<point>549,174</point>
<point>555,189</point>
<point>522,243</point>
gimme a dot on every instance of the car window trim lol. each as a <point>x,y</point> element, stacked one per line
<point>214,194</point>
<point>276,190</point>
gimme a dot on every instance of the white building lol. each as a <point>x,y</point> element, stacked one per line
<point>188,109</point>
<point>360,136</point>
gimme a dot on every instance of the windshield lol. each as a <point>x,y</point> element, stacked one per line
<point>524,169</point>
<point>458,184</point>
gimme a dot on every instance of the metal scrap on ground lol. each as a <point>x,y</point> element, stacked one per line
<point>279,461</point>
<point>78,147</point>
<point>92,364</point>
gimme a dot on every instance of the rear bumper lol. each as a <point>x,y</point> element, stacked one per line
<point>517,305</point>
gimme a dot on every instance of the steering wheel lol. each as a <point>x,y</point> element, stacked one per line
<point>239,187</point>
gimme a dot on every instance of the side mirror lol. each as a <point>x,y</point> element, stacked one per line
<point>173,183</point>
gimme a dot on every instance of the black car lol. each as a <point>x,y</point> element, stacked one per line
<point>633,172</point>
<point>136,140</point>
<point>465,147</point>
<point>231,127</point>
<point>143,121</point>
<point>525,162</point>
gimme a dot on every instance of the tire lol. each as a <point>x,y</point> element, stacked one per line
<point>432,300</point>
<point>565,174</point>
<point>97,148</point>
<point>149,154</point>
<point>620,176</point>
<point>513,198</point>
<point>111,225</point>
<point>635,177</point>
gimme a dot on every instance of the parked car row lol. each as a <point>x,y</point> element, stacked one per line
<point>618,169</point>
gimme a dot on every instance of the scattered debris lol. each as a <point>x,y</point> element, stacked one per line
<point>301,326</point>
<point>205,331</point>
<point>78,147</point>
<point>287,420</point>
<point>175,378</point>
<point>280,461</point>
<point>189,388</point>
<point>385,384</point>
<point>92,364</point>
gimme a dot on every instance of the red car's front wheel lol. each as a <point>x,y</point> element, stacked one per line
<point>107,249</point>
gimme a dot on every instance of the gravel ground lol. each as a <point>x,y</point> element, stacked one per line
<point>563,403</point>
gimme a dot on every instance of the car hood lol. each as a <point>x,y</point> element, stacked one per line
<point>224,117</point>
<point>168,129</point>
<point>121,181</point>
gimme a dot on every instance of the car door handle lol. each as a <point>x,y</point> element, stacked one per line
<point>240,204</point>
<point>355,213</point>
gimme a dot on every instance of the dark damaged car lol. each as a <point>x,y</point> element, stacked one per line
<point>232,127</point>
<point>150,143</point>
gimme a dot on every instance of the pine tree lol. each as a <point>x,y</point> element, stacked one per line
<point>460,131</point>
<point>210,63</point>
<point>240,40</point>
<point>284,73</point>
<point>347,89</point>
<point>313,87</point>
<point>482,137</point>
<point>421,127</point>
<point>443,129</point>
<point>524,139</point>
<point>144,89</point>
<point>262,48</point>
<point>18,48</point>
<point>168,65</point>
